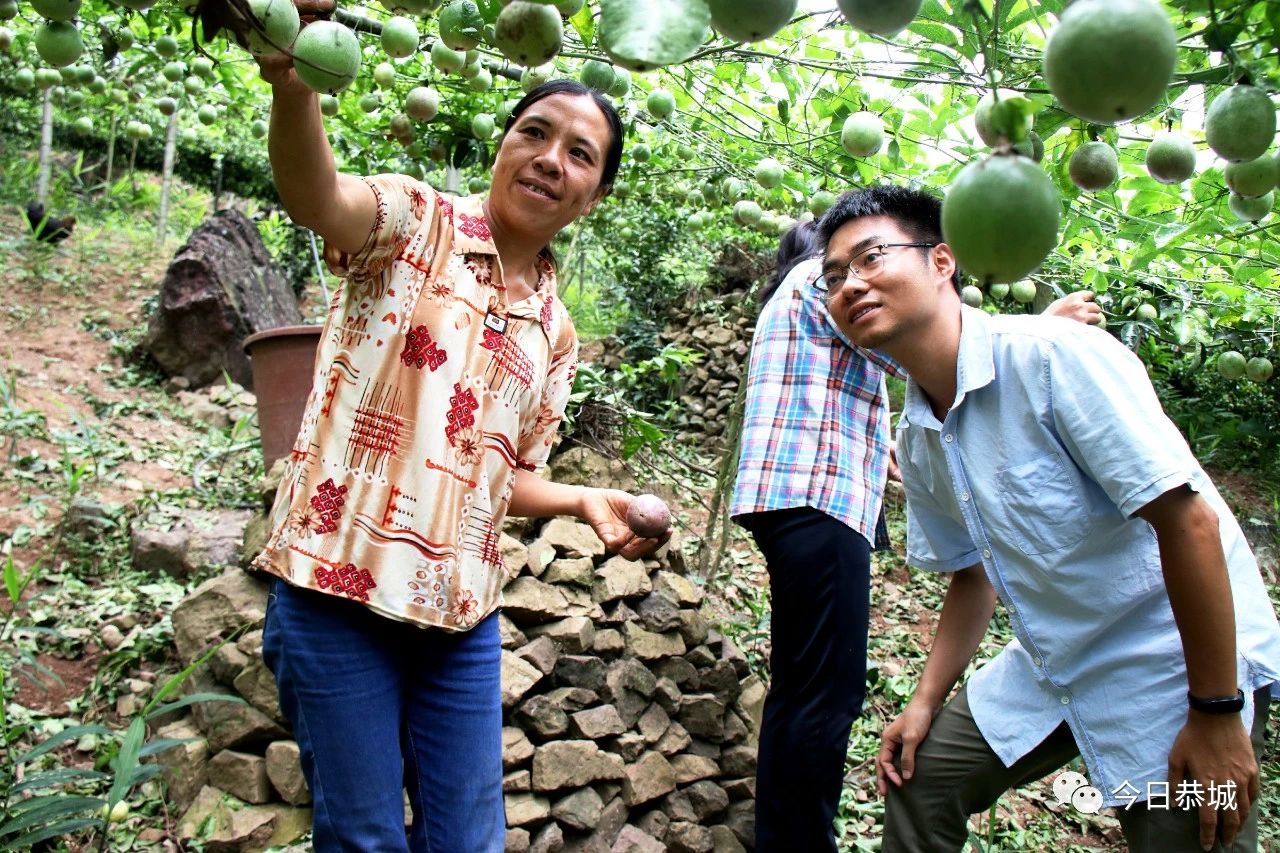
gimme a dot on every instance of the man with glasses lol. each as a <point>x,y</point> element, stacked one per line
<point>1041,471</point>
<point>811,478</point>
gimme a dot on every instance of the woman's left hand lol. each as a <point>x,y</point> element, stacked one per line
<point>606,511</point>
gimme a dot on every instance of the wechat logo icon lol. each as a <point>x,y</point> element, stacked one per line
<point>1074,789</point>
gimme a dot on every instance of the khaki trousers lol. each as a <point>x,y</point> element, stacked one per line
<point>957,775</point>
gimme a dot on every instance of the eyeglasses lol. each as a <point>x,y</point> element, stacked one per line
<point>865,265</point>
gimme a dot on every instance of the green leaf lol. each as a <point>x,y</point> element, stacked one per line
<point>127,760</point>
<point>191,700</point>
<point>40,809</point>
<point>54,778</point>
<point>73,733</point>
<point>585,24</point>
<point>66,827</point>
<point>642,35</point>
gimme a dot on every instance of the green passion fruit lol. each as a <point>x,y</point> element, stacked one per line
<point>1253,178</point>
<point>1000,217</point>
<point>1240,124</point>
<point>528,33</point>
<point>862,134</point>
<point>880,17</point>
<point>1094,166</point>
<point>326,56</point>
<point>751,20</point>
<point>1171,157</point>
<point>1109,61</point>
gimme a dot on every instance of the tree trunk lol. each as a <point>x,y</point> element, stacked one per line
<point>452,179</point>
<point>111,150</point>
<point>46,148</point>
<point>166,178</point>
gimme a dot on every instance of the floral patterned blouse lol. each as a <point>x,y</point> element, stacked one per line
<point>431,389</point>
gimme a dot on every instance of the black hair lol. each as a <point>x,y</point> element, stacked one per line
<point>916,212</point>
<point>799,244</point>
<point>613,156</point>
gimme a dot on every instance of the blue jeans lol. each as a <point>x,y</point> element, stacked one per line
<point>379,706</point>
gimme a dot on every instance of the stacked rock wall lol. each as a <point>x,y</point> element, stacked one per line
<point>720,328</point>
<point>630,724</point>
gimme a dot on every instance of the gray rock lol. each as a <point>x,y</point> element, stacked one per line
<point>518,678</point>
<point>702,715</point>
<point>724,841</point>
<point>512,637</point>
<point>668,695</point>
<point>540,555</point>
<point>573,634</point>
<point>740,789</point>
<point>227,662</point>
<point>517,782</point>
<point>573,699</point>
<point>628,685</point>
<point>230,723</point>
<point>709,800</point>
<point>517,840</point>
<point>654,822</point>
<point>681,671</point>
<point>257,685</point>
<point>653,723</point>
<point>729,651</point>
<point>647,779</point>
<point>160,552</point>
<point>676,739</point>
<point>620,578</point>
<point>549,839</point>
<point>542,653</point>
<point>722,680</point>
<point>704,748</point>
<point>580,810</point>
<point>742,821</point>
<point>751,702</point>
<point>608,643</point>
<point>598,722</point>
<point>514,553</point>
<point>677,807</point>
<point>659,613</point>
<point>738,761</point>
<point>516,748</point>
<point>701,657</point>
<point>586,671</point>
<point>87,517</point>
<point>632,839</point>
<point>229,602</point>
<point>528,601</point>
<point>580,571</point>
<point>735,730</point>
<point>678,588</point>
<point>693,627</point>
<point>572,538</point>
<point>630,746</point>
<point>582,466</point>
<point>646,645</point>
<point>684,837</point>
<point>620,615</point>
<point>242,775</point>
<point>542,717</point>
<point>185,764</point>
<point>691,768</point>
<point>612,819</point>
<point>284,769</point>
<point>526,809</point>
<point>215,535</point>
<point>572,764</point>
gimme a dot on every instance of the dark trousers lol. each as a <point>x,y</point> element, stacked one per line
<point>819,577</point>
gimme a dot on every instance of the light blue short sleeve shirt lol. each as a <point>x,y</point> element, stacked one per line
<point>1055,440</point>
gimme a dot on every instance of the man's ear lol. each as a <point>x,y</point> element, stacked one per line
<point>944,262</point>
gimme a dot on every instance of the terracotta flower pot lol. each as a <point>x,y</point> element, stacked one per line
<point>283,362</point>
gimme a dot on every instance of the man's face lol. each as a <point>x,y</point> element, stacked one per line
<point>899,287</point>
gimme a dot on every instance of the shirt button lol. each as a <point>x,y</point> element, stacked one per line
<point>1037,661</point>
<point>948,438</point>
<point>1066,700</point>
<point>986,552</point>
<point>965,496</point>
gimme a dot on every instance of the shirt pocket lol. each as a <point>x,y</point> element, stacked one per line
<point>1043,505</point>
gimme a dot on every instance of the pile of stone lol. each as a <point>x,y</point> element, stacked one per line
<point>720,329</point>
<point>630,722</point>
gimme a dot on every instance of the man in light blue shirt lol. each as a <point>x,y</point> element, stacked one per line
<point>1041,469</point>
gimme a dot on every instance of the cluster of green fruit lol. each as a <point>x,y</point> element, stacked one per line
<point>1107,61</point>
<point>1232,365</point>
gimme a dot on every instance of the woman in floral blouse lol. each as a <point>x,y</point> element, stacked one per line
<point>443,371</point>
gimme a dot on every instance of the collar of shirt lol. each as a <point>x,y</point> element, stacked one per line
<point>975,368</point>
<point>472,236</point>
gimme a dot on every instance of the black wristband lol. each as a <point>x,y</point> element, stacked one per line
<point>1217,704</point>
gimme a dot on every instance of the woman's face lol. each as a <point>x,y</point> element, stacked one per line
<point>549,164</point>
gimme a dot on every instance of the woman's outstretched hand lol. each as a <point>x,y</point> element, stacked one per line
<point>606,511</point>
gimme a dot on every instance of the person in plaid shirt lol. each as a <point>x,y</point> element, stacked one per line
<point>816,454</point>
